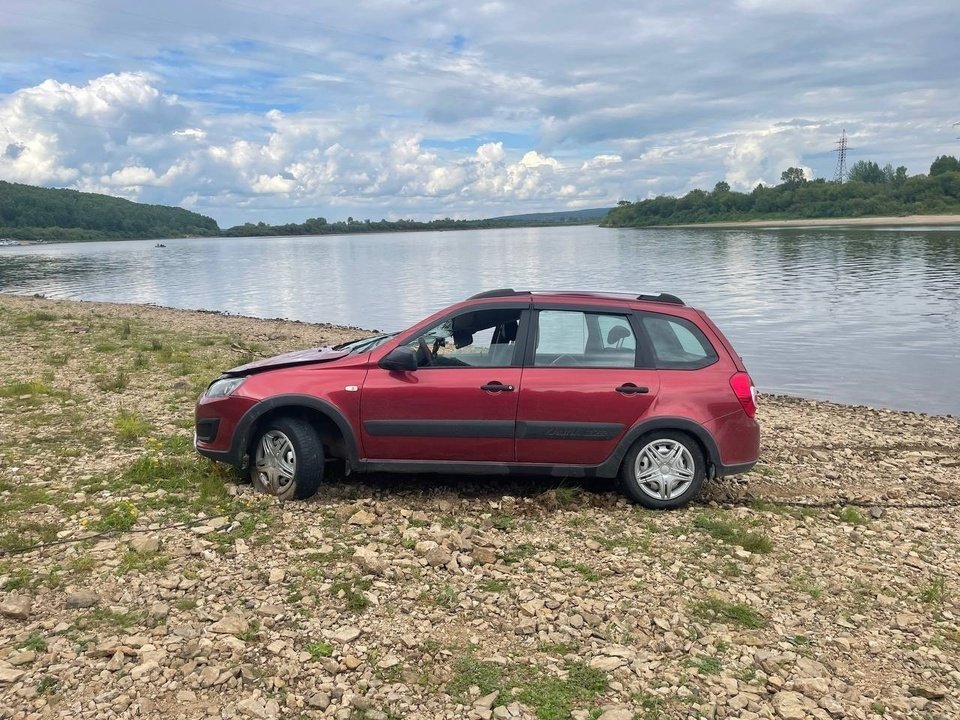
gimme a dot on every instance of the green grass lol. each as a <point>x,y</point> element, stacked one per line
<point>114,383</point>
<point>716,610</point>
<point>24,534</point>
<point>852,516</point>
<point>130,426</point>
<point>587,572</point>
<point>705,664</point>
<point>447,597</point>
<point>142,562</point>
<point>319,649</point>
<point>733,533</point>
<point>502,521</point>
<point>490,585</point>
<point>35,642</point>
<point>550,696</point>
<point>251,633</point>
<point>935,592</point>
<point>32,388</point>
<point>351,591</point>
<point>117,517</point>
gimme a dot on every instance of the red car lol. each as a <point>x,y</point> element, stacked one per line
<point>568,384</point>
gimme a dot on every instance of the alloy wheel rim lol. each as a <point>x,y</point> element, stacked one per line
<point>664,469</point>
<point>275,462</point>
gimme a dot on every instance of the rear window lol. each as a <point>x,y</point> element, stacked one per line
<point>677,344</point>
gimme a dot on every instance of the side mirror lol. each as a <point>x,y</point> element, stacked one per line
<point>401,359</point>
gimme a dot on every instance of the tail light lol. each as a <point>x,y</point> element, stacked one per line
<point>746,393</point>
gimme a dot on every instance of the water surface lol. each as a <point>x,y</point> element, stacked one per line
<point>867,316</point>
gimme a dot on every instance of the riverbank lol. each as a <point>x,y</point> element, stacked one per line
<point>891,221</point>
<point>177,591</point>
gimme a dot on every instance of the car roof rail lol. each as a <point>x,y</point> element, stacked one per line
<point>662,297</point>
<point>502,292</point>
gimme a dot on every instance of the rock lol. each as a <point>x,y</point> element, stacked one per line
<point>230,624</point>
<point>616,714</point>
<point>252,707</point>
<point>388,661</point>
<point>277,576</point>
<point>24,657</point>
<point>16,606</point>
<point>484,556</point>
<point>320,701</point>
<point>9,674</point>
<point>144,669</point>
<point>352,662</point>
<point>159,610</point>
<point>82,599</point>
<point>346,635</point>
<point>487,701</point>
<point>364,518</point>
<point>438,556</point>
<point>928,692</point>
<point>145,544</point>
<point>791,705</point>
<point>607,664</point>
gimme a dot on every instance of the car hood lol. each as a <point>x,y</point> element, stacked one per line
<point>298,357</point>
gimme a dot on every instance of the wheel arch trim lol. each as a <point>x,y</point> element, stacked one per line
<point>244,430</point>
<point>611,466</point>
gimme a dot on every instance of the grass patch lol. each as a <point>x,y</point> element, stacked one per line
<point>852,516</point>
<point>26,534</point>
<point>185,603</point>
<point>551,697</point>
<point>351,590</point>
<point>738,614</point>
<point>35,641</point>
<point>733,533</point>
<point>319,649</point>
<point>447,597</point>
<point>935,592</point>
<point>495,586</point>
<point>114,383</point>
<point>142,562</point>
<point>705,664</point>
<point>33,388</point>
<point>251,633</point>
<point>586,572</point>
<point>130,426</point>
<point>117,517</point>
<point>502,521</point>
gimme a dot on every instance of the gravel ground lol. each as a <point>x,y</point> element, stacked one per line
<point>823,584</point>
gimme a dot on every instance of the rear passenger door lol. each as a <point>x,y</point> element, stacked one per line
<point>586,381</point>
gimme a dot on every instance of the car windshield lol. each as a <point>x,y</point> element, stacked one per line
<point>355,347</point>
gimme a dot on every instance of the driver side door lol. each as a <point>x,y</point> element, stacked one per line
<point>460,405</point>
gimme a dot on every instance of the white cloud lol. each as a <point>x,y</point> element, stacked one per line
<point>448,107</point>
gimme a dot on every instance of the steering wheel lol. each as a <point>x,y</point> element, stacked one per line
<point>424,356</point>
<point>565,360</point>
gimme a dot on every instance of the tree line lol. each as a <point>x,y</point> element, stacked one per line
<point>34,213</point>
<point>870,190</point>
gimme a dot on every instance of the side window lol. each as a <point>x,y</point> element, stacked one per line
<point>569,338</point>
<point>678,344</point>
<point>482,338</point>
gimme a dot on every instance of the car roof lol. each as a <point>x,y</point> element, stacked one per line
<point>620,297</point>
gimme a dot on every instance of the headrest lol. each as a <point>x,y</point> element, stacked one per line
<point>462,338</point>
<point>510,331</point>
<point>616,334</point>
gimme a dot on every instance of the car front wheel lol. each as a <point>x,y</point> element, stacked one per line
<point>663,470</point>
<point>287,459</point>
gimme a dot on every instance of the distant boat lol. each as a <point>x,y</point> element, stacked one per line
<point>159,245</point>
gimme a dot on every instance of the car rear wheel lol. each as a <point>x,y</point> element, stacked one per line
<point>663,470</point>
<point>287,459</point>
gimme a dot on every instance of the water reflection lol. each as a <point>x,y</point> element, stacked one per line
<point>856,315</point>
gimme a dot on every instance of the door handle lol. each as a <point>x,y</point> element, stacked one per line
<point>631,389</point>
<point>496,387</point>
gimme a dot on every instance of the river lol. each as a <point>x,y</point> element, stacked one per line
<point>862,316</point>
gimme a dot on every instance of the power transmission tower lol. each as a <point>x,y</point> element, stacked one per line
<point>841,174</point>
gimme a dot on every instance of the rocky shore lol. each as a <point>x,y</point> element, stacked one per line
<point>824,584</point>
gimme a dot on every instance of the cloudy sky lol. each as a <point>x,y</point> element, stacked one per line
<point>280,111</point>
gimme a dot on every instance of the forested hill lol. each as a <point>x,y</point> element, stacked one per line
<point>35,213</point>
<point>871,190</point>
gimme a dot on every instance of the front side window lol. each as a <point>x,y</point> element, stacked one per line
<point>678,344</point>
<point>480,338</point>
<point>571,338</point>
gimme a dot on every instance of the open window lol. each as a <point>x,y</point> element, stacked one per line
<point>478,338</point>
<point>571,338</point>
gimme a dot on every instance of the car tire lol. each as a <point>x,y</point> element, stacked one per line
<point>663,470</point>
<point>286,459</point>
